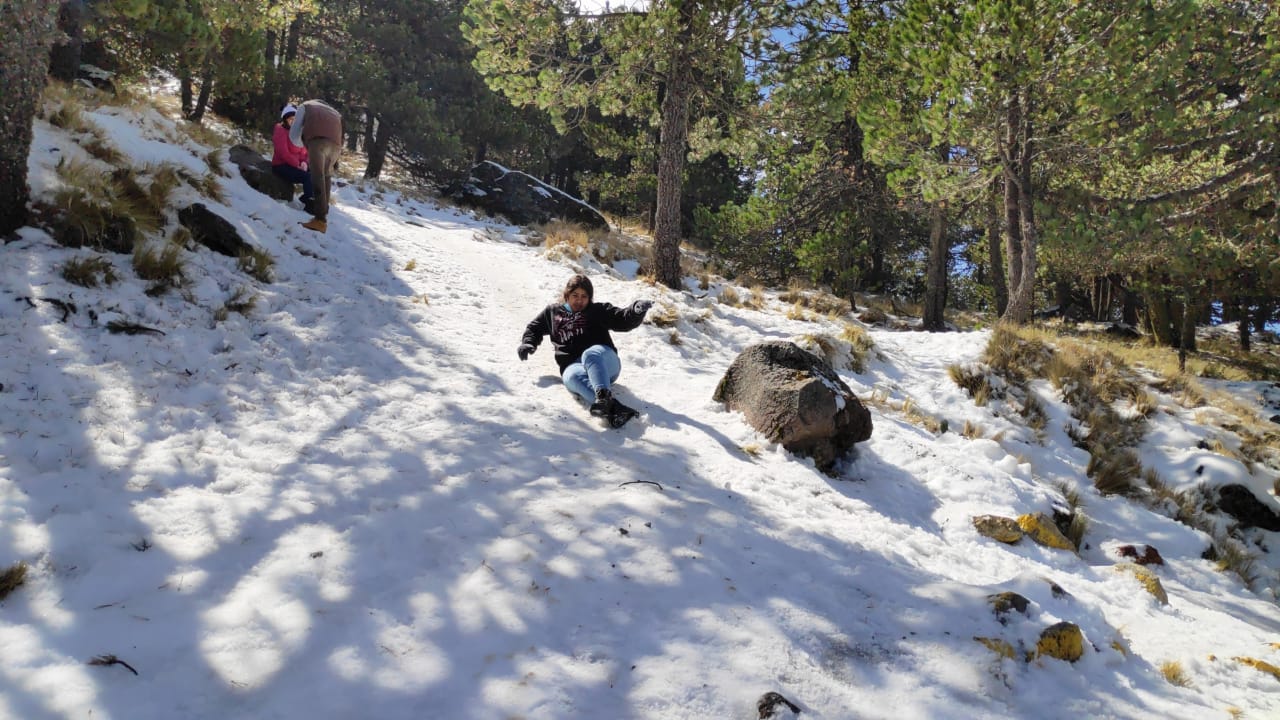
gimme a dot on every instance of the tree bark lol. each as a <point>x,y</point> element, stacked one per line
<point>378,152</point>
<point>202,100</point>
<point>295,37</point>
<point>672,140</point>
<point>1016,163</point>
<point>64,63</point>
<point>999,288</point>
<point>935,289</point>
<point>186,94</point>
<point>24,63</point>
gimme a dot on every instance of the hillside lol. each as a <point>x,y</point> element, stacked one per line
<point>339,494</point>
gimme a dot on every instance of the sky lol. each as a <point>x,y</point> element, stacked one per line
<point>356,501</point>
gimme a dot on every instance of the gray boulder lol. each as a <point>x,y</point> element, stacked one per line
<point>794,398</point>
<point>212,230</point>
<point>521,198</point>
<point>256,170</point>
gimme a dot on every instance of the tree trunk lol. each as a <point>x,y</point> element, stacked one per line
<point>935,292</point>
<point>999,289</point>
<point>202,100</point>
<point>671,152</point>
<point>186,93</point>
<point>1160,319</point>
<point>295,37</point>
<point>368,135</point>
<point>378,151</point>
<point>24,63</point>
<point>64,63</point>
<point>1016,162</point>
<point>1242,326</point>
<point>1129,310</point>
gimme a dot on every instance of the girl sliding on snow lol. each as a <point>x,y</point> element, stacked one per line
<point>588,360</point>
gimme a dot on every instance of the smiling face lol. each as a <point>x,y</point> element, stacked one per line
<point>578,299</point>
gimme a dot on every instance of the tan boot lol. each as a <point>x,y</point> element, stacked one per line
<point>316,224</point>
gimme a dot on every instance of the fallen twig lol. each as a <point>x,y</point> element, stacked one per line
<point>130,328</point>
<point>112,660</point>
<point>633,482</point>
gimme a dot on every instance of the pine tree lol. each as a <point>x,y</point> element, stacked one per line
<point>653,65</point>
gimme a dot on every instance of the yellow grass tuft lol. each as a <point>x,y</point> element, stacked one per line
<point>1173,672</point>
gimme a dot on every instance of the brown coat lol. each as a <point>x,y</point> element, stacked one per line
<point>318,120</point>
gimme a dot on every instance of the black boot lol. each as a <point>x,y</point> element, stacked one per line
<point>604,402</point>
<point>619,414</point>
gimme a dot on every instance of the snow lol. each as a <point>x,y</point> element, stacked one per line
<point>357,502</point>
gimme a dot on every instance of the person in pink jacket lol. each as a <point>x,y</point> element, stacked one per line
<point>288,161</point>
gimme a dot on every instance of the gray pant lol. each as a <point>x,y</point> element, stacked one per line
<point>322,159</point>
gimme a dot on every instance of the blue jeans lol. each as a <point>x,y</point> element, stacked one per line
<point>597,369</point>
<point>289,173</point>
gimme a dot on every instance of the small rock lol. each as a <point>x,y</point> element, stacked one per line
<point>1003,529</point>
<point>1004,602</point>
<point>1041,528</point>
<point>770,702</point>
<point>1063,641</point>
<point>1149,581</point>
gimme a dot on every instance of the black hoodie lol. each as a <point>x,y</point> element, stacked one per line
<point>573,332</point>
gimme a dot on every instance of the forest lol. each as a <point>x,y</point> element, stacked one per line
<point>1114,161</point>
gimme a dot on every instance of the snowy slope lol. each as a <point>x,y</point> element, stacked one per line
<point>356,502</point>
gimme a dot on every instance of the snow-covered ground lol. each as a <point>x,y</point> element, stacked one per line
<point>356,502</point>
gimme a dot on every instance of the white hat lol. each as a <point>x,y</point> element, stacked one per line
<point>289,109</point>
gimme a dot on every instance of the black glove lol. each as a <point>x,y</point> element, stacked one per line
<point>525,350</point>
<point>641,306</point>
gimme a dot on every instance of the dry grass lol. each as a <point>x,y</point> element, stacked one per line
<point>241,302</point>
<point>205,135</point>
<point>976,381</point>
<point>89,271</point>
<point>836,352</point>
<point>752,449</point>
<point>1016,356</point>
<point>799,312</point>
<point>1076,525</point>
<point>257,264</point>
<point>12,578</point>
<point>821,302</point>
<point>214,159</point>
<point>1173,672</point>
<point>411,266</point>
<point>729,296</point>
<point>99,147</point>
<point>162,267</point>
<point>972,431</point>
<point>860,346</point>
<point>1233,557</point>
<point>146,205</point>
<point>560,234</point>
<point>664,315</point>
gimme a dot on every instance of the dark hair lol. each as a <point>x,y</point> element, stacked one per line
<point>576,282</point>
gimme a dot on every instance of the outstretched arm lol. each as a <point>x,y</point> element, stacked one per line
<point>627,318</point>
<point>538,328</point>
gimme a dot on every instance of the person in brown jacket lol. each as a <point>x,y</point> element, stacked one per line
<point>318,128</point>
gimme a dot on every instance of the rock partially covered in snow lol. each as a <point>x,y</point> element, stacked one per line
<point>794,398</point>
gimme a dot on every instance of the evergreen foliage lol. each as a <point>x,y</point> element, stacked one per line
<point>996,154</point>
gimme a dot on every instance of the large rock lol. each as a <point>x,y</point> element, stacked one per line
<point>1250,510</point>
<point>521,198</point>
<point>256,170</point>
<point>794,398</point>
<point>212,230</point>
